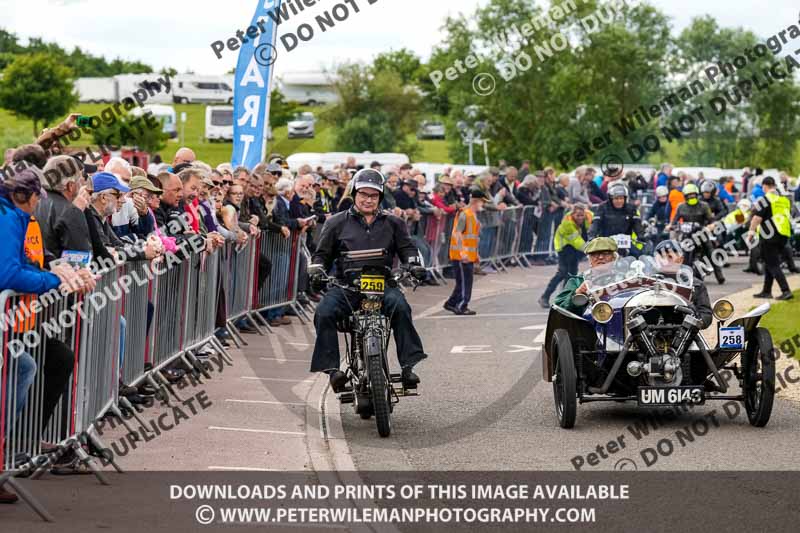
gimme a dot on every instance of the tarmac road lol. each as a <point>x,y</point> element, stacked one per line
<point>483,404</point>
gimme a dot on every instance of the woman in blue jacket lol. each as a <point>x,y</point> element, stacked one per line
<point>19,196</point>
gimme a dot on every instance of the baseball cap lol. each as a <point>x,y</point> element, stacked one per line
<point>139,182</point>
<point>104,181</point>
<point>478,193</point>
<point>275,169</point>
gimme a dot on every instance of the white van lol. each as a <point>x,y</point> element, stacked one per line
<point>164,113</point>
<point>189,88</point>
<point>219,123</point>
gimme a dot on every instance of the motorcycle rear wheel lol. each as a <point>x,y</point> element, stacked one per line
<point>381,395</point>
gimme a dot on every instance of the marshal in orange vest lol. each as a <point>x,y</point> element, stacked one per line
<point>464,243</point>
<point>34,250</point>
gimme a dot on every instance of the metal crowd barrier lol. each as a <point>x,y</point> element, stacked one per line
<point>280,288</point>
<point>184,303</point>
<point>516,235</point>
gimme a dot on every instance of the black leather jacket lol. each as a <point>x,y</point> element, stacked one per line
<point>610,221</point>
<point>348,231</point>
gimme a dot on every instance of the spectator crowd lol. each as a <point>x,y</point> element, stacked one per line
<point>55,206</point>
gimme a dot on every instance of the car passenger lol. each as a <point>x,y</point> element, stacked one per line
<point>669,258</point>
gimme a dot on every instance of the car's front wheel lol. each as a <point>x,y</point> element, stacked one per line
<point>564,379</point>
<point>758,367</point>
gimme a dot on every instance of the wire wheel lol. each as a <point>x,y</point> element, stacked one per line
<point>564,379</point>
<point>758,366</point>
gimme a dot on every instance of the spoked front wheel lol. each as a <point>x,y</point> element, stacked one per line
<point>564,379</point>
<point>381,395</point>
<point>758,367</point>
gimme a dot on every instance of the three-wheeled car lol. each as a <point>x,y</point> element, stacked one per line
<point>638,339</point>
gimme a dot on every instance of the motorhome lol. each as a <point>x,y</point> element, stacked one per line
<point>190,88</point>
<point>307,88</point>
<point>164,113</point>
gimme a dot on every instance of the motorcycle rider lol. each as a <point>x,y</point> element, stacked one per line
<point>669,257</point>
<point>600,251</point>
<point>659,211</point>
<point>364,227</point>
<point>709,191</point>
<point>618,217</point>
<point>696,211</point>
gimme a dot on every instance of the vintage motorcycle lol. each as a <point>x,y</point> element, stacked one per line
<point>372,388</point>
<point>638,316</point>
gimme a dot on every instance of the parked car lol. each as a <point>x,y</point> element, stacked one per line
<point>430,130</point>
<point>302,126</point>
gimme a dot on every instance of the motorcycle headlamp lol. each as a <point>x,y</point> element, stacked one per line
<point>602,312</point>
<point>369,304</point>
<point>723,309</point>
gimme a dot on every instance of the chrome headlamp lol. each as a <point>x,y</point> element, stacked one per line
<point>722,309</point>
<point>602,312</point>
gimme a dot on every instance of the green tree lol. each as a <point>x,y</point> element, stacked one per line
<point>37,87</point>
<point>403,62</point>
<point>143,132</point>
<point>760,130</point>
<point>558,101</point>
<point>375,111</point>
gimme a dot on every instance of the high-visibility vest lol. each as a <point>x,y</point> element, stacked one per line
<point>737,217</point>
<point>464,245</point>
<point>569,234</point>
<point>34,250</point>
<point>781,214</point>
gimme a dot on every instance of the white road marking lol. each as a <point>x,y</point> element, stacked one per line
<point>520,349</point>
<point>244,468</point>
<point>471,349</point>
<point>285,360</point>
<point>509,283</point>
<point>271,431</point>
<point>300,344</point>
<point>540,337</point>
<point>486,315</point>
<point>264,402</point>
<point>279,379</point>
<point>535,326</point>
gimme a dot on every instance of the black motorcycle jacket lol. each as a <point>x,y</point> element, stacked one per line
<point>701,303</point>
<point>699,213</point>
<point>348,231</point>
<point>718,208</point>
<point>609,221</point>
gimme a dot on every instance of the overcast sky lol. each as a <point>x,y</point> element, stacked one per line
<point>178,33</point>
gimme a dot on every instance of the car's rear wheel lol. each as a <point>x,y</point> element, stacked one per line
<point>564,379</point>
<point>758,368</point>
